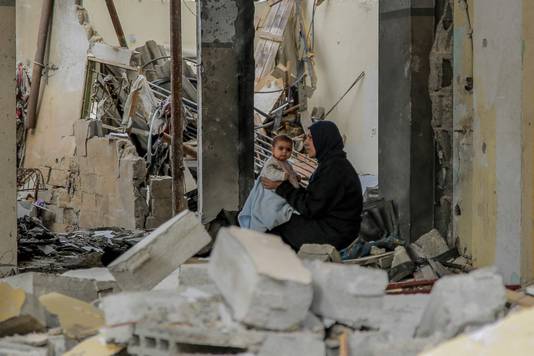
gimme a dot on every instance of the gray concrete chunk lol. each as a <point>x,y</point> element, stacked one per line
<point>38,284</point>
<point>324,253</point>
<point>463,301</point>
<point>290,345</point>
<point>429,245</point>
<point>261,278</point>
<point>348,293</point>
<point>156,256</point>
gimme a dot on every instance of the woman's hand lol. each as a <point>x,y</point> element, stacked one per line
<point>270,184</point>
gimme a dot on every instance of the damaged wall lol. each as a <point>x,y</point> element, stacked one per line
<point>502,182</point>
<point>112,178</point>
<point>8,188</point>
<point>144,20</point>
<point>346,43</point>
<point>51,145</point>
<point>141,20</point>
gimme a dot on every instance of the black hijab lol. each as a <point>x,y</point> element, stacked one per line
<point>327,140</point>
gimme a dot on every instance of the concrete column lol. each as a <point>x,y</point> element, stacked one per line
<point>406,144</point>
<point>8,169</point>
<point>226,78</point>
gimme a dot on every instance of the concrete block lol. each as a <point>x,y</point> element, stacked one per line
<point>160,187</point>
<point>38,284</point>
<point>402,265</point>
<point>147,263</point>
<point>161,208</point>
<point>429,245</point>
<point>290,345</point>
<point>194,274</point>
<point>401,314</point>
<point>463,301</point>
<point>123,310</point>
<point>347,293</point>
<point>261,278</point>
<point>324,253</point>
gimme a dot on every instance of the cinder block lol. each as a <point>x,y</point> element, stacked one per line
<point>261,278</point>
<point>462,301</point>
<point>348,293</point>
<point>147,263</point>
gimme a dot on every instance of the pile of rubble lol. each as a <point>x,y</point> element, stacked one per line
<point>40,249</point>
<point>253,296</point>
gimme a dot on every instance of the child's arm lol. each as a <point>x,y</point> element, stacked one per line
<point>273,172</point>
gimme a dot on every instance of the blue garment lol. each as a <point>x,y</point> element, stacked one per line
<point>264,209</point>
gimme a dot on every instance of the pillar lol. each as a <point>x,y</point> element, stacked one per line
<point>405,137</point>
<point>226,88</point>
<point>8,169</point>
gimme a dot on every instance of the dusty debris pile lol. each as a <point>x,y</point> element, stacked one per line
<point>39,249</point>
<point>253,296</point>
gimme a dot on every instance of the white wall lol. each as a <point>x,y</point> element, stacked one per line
<point>346,43</point>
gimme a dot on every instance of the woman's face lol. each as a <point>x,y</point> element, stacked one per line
<point>309,146</point>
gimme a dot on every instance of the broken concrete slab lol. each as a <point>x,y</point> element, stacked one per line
<point>429,245</point>
<point>261,278</point>
<point>21,312</point>
<point>349,294</point>
<point>401,314</point>
<point>123,310</point>
<point>425,273</point>
<point>94,346</point>
<point>78,319</point>
<point>324,253</point>
<point>160,253</point>
<point>194,274</point>
<point>402,265</point>
<point>290,345</point>
<point>463,301</point>
<point>39,284</point>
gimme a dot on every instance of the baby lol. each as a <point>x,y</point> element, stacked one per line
<point>264,209</point>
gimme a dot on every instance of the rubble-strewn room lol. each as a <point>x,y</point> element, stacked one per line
<point>266,177</point>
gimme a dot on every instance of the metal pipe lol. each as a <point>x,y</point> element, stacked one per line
<point>42,39</point>
<point>177,126</point>
<point>116,23</point>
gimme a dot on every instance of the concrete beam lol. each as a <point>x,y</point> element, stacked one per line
<point>8,162</point>
<point>226,88</point>
<point>406,144</point>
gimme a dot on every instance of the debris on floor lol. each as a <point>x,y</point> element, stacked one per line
<point>253,296</point>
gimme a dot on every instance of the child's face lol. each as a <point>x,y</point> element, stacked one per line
<point>282,150</point>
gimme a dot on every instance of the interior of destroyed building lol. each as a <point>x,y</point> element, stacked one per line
<point>266,177</point>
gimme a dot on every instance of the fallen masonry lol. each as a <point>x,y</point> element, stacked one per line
<point>160,253</point>
<point>349,294</point>
<point>252,296</point>
<point>462,302</point>
<point>261,293</point>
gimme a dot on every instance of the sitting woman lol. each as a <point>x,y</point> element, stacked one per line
<point>330,207</point>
